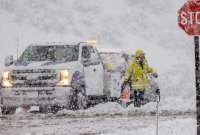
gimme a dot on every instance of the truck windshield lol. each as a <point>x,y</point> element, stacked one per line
<point>61,53</point>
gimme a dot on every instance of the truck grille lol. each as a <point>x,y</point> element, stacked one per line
<point>33,71</point>
<point>34,78</point>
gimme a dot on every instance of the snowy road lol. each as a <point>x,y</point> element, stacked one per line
<point>143,125</point>
<point>98,121</point>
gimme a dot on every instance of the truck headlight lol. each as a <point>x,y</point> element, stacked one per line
<point>6,82</point>
<point>64,78</point>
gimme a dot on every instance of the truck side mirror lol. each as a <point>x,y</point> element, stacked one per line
<point>8,60</point>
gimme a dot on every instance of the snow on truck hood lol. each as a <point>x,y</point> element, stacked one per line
<point>45,65</point>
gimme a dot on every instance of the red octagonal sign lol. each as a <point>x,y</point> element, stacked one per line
<point>189,17</point>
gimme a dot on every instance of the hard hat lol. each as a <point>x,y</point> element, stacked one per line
<point>139,53</point>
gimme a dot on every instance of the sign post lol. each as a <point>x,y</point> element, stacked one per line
<point>189,21</point>
<point>197,73</point>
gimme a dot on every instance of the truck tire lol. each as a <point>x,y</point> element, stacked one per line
<point>78,99</point>
<point>82,101</point>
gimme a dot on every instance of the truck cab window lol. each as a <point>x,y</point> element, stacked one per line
<point>86,52</point>
<point>62,53</point>
<point>90,56</point>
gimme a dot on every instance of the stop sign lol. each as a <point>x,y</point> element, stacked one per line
<point>189,17</point>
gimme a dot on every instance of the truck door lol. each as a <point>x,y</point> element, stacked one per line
<point>93,71</point>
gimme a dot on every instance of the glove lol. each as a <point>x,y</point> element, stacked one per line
<point>155,75</point>
<point>158,91</point>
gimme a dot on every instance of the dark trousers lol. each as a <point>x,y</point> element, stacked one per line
<point>137,95</point>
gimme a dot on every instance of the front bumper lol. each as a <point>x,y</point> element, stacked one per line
<point>40,96</point>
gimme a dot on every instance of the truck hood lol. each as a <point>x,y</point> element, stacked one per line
<point>44,65</point>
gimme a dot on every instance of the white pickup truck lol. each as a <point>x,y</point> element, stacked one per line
<point>56,75</point>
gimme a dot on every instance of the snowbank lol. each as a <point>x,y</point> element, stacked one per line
<point>115,110</point>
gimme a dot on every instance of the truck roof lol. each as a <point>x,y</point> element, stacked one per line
<point>58,43</point>
<point>50,43</point>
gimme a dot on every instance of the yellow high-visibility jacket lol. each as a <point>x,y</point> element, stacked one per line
<point>138,75</point>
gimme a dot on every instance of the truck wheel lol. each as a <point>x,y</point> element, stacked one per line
<point>78,100</point>
<point>82,101</point>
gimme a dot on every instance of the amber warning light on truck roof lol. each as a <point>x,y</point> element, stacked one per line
<point>91,42</point>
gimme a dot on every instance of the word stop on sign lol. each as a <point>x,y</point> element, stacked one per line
<point>190,18</point>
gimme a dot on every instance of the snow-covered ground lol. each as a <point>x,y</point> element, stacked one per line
<point>103,119</point>
<point>116,24</point>
<point>45,125</point>
<point>107,119</point>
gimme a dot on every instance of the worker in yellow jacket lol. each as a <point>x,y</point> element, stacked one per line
<point>137,75</point>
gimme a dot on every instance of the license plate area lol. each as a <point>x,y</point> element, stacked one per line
<point>23,93</point>
<point>45,92</point>
<point>33,93</point>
